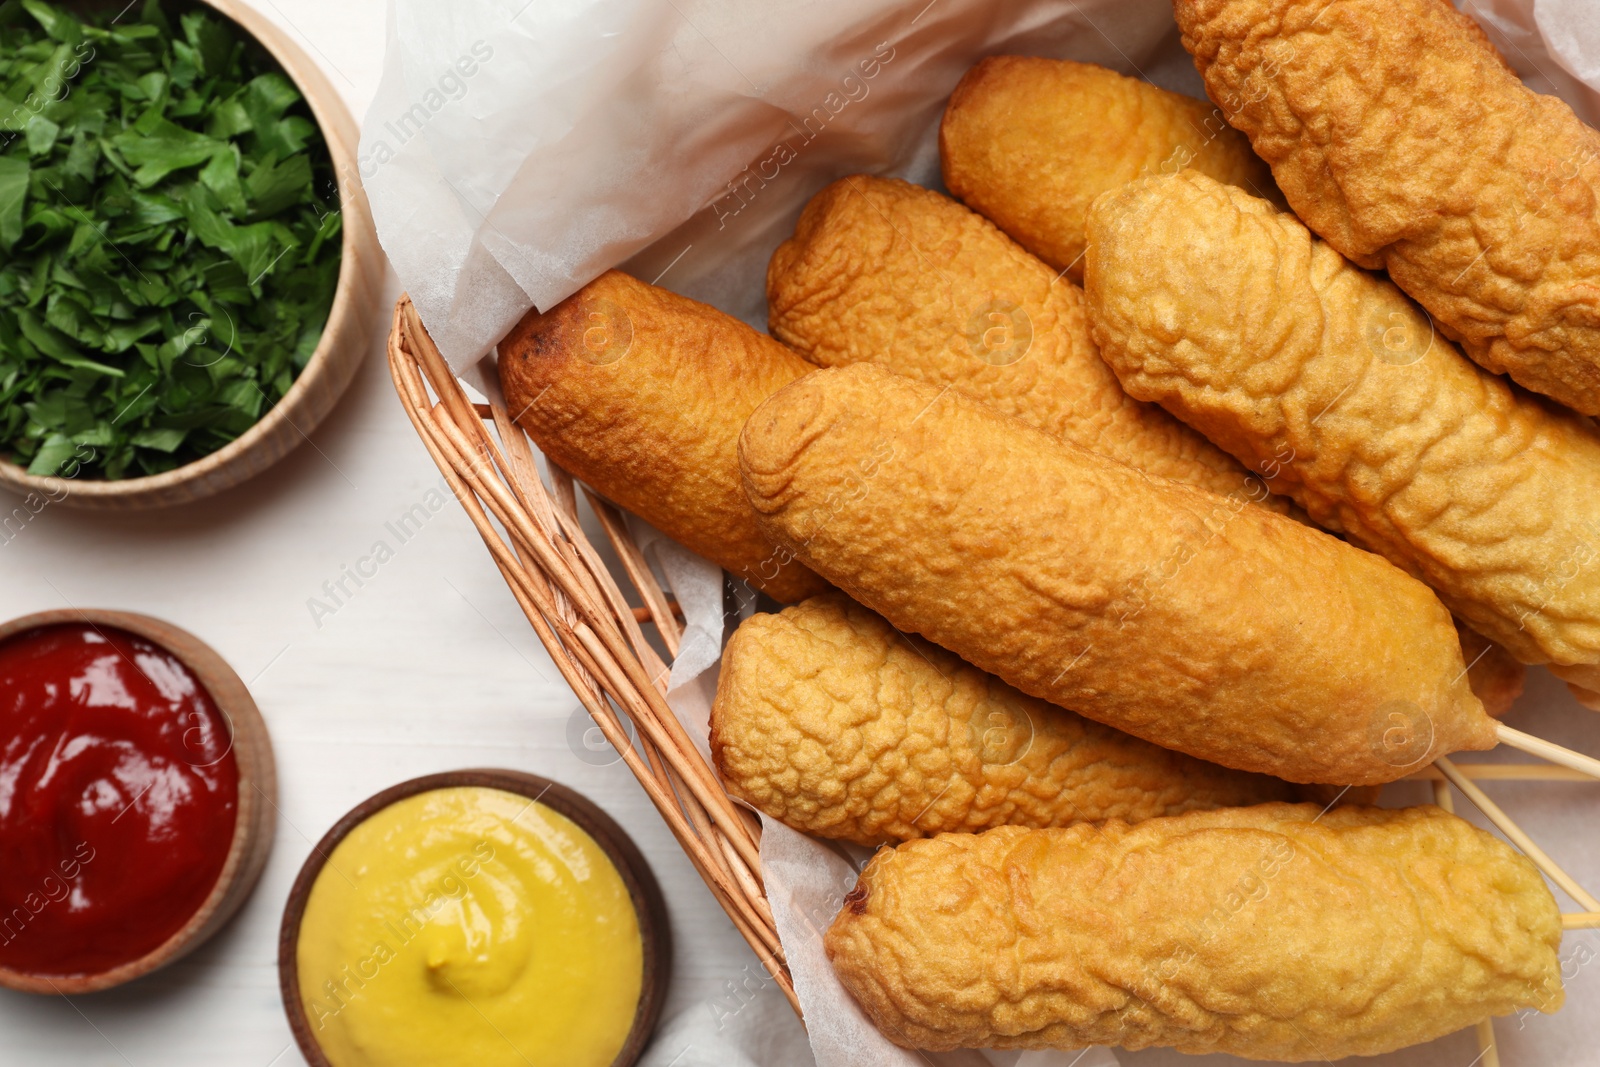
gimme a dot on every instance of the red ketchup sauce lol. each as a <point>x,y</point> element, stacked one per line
<point>118,796</point>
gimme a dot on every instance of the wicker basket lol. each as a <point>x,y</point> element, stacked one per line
<point>584,620</point>
<point>597,641</point>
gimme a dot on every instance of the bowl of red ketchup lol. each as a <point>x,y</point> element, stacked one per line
<point>137,797</point>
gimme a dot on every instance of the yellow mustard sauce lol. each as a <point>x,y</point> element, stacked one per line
<point>469,926</point>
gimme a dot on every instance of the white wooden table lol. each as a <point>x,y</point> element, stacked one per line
<point>429,666</point>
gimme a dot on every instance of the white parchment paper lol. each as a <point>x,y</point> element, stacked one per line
<point>517,149</point>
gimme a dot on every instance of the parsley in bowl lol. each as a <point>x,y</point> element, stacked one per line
<point>169,237</point>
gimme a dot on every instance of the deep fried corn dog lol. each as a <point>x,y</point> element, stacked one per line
<point>1192,620</point>
<point>831,721</point>
<point>1030,143</point>
<point>1326,379</point>
<point>641,393</point>
<point>883,271</point>
<point>1264,932</point>
<point>1399,134</point>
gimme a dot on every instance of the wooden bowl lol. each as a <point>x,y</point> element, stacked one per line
<point>255,819</point>
<point>332,366</point>
<point>654,931</point>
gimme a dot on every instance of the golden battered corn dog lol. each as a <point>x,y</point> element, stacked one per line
<point>1398,133</point>
<point>1030,142</point>
<point>830,720</point>
<point>641,393</point>
<point>1326,379</point>
<point>1189,619</point>
<point>1264,932</point>
<point>883,271</point>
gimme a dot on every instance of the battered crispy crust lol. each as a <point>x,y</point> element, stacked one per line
<point>1264,932</point>
<point>883,271</point>
<point>1397,132</point>
<point>1239,321</point>
<point>641,394</point>
<point>1194,621</point>
<point>1030,142</point>
<point>833,722</point>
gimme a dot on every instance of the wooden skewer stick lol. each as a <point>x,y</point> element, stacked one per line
<point>1497,815</point>
<point>1581,920</point>
<point>1488,1053</point>
<point>1503,772</point>
<point>1535,746</point>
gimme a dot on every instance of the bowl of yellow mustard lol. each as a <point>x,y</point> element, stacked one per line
<point>477,917</point>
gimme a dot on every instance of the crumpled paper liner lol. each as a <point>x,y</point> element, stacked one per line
<point>511,159</point>
<point>515,150</point>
